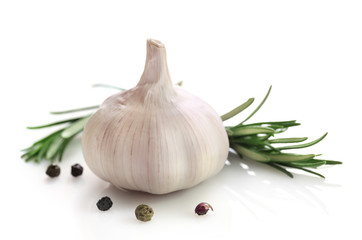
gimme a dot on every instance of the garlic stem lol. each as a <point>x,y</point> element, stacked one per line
<point>155,82</point>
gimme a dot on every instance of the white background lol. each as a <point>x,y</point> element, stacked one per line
<point>51,52</point>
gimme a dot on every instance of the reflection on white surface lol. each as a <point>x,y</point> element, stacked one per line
<point>261,188</point>
<point>244,166</point>
<point>241,194</point>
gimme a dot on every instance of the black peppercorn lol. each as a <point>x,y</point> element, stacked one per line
<point>144,212</point>
<point>203,208</point>
<point>77,170</point>
<point>104,203</point>
<point>53,170</point>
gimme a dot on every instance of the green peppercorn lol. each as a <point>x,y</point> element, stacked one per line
<point>53,171</point>
<point>144,213</point>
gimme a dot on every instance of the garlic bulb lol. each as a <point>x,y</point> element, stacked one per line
<point>155,137</point>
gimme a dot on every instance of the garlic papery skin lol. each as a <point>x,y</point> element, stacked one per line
<point>155,137</point>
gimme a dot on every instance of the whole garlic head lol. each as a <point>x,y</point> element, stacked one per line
<point>155,137</point>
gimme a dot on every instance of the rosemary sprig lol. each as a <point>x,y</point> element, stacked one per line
<point>53,146</point>
<point>253,141</point>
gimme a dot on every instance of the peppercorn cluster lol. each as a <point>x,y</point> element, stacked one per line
<point>54,170</point>
<point>143,212</point>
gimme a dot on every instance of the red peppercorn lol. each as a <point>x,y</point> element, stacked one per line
<point>203,208</point>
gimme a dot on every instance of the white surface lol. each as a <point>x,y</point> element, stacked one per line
<point>225,52</point>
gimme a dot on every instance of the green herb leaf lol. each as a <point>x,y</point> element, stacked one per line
<point>331,162</point>
<point>283,170</point>
<point>287,140</point>
<point>63,147</point>
<point>289,157</point>
<point>251,140</point>
<point>257,109</point>
<point>312,163</point>
<point>45,139</point>
<point>303,145</point>
<point>54,147</point>
<point>304,169</point>
<point>44,150</point>
<point>54,144</point>
<point>237,110</point>
<point>283,124</point>
<point>76,110</point>
<point>75,128</point>
<point>244,131</point>
<point>250,154</point>
<point>55,123</point>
